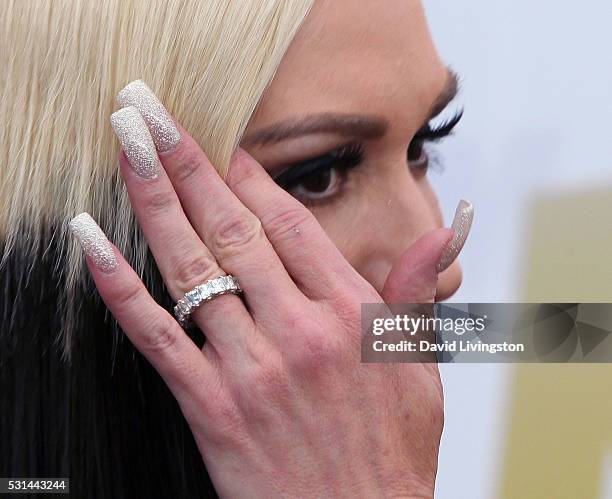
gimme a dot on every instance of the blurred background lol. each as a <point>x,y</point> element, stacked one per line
<point>534,155</point>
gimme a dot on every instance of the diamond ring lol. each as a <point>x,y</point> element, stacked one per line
<point>204,292</point>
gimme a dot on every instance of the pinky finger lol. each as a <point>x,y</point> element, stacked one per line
<point>152,330</point>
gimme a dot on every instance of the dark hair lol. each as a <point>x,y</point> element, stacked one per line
<point>102,418</point>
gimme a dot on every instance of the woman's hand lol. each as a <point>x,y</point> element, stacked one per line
<point>278,400</point>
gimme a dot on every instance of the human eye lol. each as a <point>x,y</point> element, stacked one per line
<point>320,179</point>
<point>417,155</point>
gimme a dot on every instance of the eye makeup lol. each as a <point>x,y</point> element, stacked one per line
<point>433,133</point>
<point>416,155</point>
<point>344,158</point>
<point>312,180</point>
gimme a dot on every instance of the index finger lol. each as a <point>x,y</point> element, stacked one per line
<point>309,255</point>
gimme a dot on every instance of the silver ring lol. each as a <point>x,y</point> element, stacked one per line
<point>207,291</point>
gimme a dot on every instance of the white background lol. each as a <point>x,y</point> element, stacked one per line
<point>537,81</point>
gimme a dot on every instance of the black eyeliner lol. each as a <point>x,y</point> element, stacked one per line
<point>343,158</point>
<point>351,155</point>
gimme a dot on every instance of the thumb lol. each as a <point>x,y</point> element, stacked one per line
<point>414,277</point>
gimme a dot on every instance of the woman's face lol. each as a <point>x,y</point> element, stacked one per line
<point>343,123</point>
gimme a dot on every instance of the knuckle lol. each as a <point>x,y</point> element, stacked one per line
<point>290,321</point>
<point>262,378</point>
<point>231,423</point>
<point>234,233</point>
<point>288,220</point>
<point>317,350</point>
<point>126,298</point>
<point>241,170</point>
<point>156,203</point>
<point>159,336</point>
<point>346,307</point>
<point>187,164</point>
<point>266,380</point>
<point>193,270</point>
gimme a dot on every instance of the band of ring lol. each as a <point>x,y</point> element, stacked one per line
<point>207,291</point>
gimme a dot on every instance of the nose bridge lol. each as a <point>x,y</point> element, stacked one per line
<point>410,212</point>
<point>401,212</point>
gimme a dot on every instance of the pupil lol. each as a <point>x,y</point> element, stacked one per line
<point>318,182</point>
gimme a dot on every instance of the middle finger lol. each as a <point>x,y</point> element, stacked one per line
<point>233,234</point>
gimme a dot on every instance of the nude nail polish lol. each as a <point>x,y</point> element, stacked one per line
<point>461,225</point>
<point>136,141</point>
<point>163,130</point>
<point>94,242</point>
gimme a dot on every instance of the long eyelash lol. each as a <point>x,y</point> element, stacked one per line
<point>351,155</point>
<point>344,158</point>
<point>429,134</point>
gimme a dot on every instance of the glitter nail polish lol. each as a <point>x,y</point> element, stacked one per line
<point>461,225</point>
<point>136,141</point>
<point>163,130</point>
<point>93,241</point>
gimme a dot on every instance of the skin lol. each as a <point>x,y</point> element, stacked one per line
<point>342,61</point>
<point>278,400</point>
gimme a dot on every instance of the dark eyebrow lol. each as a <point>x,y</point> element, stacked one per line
<point>356,125</point>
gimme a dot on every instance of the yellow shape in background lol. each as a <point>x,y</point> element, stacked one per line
<point>560,421</point>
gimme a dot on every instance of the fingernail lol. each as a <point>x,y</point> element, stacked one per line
<point>461,225</point>
<point>136,141</point>
<point>164,132</point>
<point>94,242</point>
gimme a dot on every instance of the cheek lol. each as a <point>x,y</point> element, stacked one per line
<point>352,225</point>
<point>348,228</point>
<point>367,249</point>
<point>432,200</point>
<point>372,250</point>
<point>378,221</point>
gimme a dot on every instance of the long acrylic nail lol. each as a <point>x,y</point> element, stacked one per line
<point>461,225</point>
<point>136,141</point>
<point>163,130</point>
<point>94,242</point>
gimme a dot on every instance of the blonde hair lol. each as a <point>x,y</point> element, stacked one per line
<point>63,61</point>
